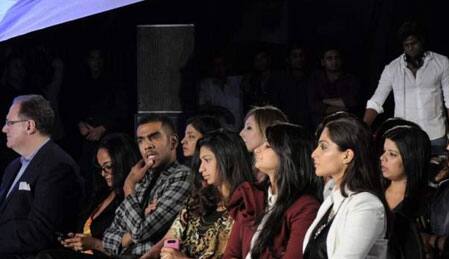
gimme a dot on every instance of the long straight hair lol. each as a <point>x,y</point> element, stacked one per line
<point>414,148</point>
<point>295,177</point>
<point>351,133</point>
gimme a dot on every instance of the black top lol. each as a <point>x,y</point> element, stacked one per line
<point>409,218</point>
<point>316,247</point>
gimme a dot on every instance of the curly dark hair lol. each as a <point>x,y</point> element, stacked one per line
<point>233,167</point>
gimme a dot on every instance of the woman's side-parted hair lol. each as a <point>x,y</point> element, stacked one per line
<point>329,118</point>
<point>388,124</point>
<point>266,116</point>
<point>351,133</point>
<point>204,123</point>
<point>233,167</point>
<point>295,177</point>
<point>415,149</point>
<point>124,155</point>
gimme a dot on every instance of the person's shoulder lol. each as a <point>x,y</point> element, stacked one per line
<point>307,199</point>
<point>304,203</point>
<point>438,58</point>
<point>57,154</point>
<point>178,169</point>
<point>365,199</point>
<point>13,165</point>
<point>395,62</point>
<point>436,55</point>
<point>247,190</point>
<point>246,202</point>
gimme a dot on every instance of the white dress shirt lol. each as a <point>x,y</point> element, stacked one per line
<point>359,226</point>
<point>418,99</point>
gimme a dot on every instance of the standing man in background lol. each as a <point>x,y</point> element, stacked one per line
<point>420,82</point>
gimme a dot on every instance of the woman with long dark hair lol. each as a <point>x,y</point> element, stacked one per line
<point>351,222</point>
<point>289,198</point>
<point>116,155</point>
<point>404,165</point>
<point>203,226</point>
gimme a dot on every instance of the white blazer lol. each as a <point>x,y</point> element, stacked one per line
<point>358,229</point>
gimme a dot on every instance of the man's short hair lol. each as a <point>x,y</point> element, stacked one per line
<point>38,109</point>
<point>411,28</point>
<point>166,123</point>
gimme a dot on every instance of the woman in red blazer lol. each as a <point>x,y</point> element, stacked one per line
<point>271,219</point>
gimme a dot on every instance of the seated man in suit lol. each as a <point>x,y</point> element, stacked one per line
<point>40,191</point>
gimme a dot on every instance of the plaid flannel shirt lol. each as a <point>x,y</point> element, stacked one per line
<point>170,190</point>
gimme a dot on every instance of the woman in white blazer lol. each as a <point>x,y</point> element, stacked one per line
<point>351,222</point>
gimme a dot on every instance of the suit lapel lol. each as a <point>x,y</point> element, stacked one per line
<point>10,175</point>
<point>28,175</point>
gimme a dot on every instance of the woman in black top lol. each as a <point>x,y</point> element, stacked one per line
<point>404,166</point>
<point>116,155</point>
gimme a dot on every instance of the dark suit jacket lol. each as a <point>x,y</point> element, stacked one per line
<point>30,218</point>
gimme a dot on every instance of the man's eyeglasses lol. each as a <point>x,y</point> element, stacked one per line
<point>10,123</point>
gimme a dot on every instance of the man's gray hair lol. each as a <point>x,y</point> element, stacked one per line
<point>37,108</point>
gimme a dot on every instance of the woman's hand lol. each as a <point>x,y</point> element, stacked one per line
<point>79,242</point>
<point>170,253</point>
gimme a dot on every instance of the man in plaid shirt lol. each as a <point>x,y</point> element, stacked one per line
<point>155,191</point>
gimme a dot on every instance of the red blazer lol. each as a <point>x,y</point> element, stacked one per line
<point>247,202</point>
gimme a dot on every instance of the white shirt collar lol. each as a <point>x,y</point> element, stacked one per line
<point>271,198</point>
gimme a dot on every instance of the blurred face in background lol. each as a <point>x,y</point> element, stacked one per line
<point>95,62</point>
<point>189,140</point>
<point>219,67</point>
<point>251,134</point>
<point>262,62</point>
<point>297,59</point>
<point>332,61</point>
<point>412,46</point>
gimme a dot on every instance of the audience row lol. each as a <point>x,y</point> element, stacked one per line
<point>273,191</point>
